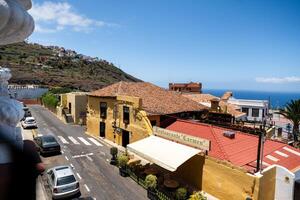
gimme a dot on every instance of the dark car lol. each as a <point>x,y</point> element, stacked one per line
<point>47,144</point>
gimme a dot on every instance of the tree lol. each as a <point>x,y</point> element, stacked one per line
<point>292,112</point>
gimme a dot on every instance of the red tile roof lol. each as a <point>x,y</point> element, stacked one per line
<point>155,100</point>
<point>242,150</point>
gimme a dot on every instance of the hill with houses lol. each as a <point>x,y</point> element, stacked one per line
<point>54,66</point>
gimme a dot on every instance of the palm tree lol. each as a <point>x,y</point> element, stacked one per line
<point>292,112</point>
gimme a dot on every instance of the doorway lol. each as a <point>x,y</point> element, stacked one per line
<point>125,138</point>
<point>102,129</point>
<point>70,108</point>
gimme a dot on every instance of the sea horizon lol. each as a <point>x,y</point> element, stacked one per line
<point>278,99</point>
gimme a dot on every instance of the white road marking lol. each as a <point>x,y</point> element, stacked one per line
<point>72,166</point>
<point>84,141</point>
<point>78,176</point>
<point>291,151</point>
<point>83,155</point>
<point>281,154</point>
<point>94,198</point>
<point>73,140</point>
<point>107,160</point>
<point>272,158</point>
<point>66,158</point>
<point>62,151</point>
<point>87,188</point>
<point>95,142</point>
<point>63,140</point>
<point>89,158</point>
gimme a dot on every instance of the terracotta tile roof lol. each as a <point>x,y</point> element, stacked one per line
<point>155,100</point>
<point>200,97</point>
<point>242,150</point>
<point>206,98</point>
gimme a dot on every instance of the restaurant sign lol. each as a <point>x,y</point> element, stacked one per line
<point>182,138</point>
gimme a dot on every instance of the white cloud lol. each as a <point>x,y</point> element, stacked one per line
<point>289,79</point>
<point>52,17</point>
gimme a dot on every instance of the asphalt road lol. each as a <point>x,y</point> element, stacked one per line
<point>89,157</point>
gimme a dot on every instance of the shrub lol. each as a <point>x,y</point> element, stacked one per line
<point>181,193</point>
<point>198,196</point>
<point>50,100</point>
<point>151,181</point>
<point>113,151</point>
<point>122,160</point>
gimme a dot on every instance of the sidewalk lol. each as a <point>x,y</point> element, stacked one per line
<point>40,190</point>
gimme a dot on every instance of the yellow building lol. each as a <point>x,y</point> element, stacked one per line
<point>125,112</point>
<point>72,108</point>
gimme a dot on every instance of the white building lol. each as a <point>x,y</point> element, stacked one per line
<point>256,110</point>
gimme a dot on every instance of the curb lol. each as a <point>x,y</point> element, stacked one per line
<point>41,194</point>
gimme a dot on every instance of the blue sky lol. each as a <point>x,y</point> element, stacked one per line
<point>225,44</point>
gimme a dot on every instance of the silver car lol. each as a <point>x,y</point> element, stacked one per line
<point>62,182</point>
<point>29,122</point>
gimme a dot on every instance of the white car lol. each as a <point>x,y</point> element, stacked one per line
<point>29,122</point>
<point>62,182</point>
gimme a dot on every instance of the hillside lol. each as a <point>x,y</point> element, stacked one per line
<point>54,66</point>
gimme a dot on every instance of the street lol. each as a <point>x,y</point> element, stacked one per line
<point>89,158</point>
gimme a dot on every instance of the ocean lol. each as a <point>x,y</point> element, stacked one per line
<point>278,99</point>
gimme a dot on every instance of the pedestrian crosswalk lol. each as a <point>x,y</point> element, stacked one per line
<point>79,140</point>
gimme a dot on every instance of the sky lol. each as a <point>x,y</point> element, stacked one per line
<point>225,44</point>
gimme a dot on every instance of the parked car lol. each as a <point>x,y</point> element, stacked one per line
<point>29,122</point>
<point>47,144</point>
<point>62,182</point>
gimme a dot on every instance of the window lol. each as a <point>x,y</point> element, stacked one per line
<point>245,110</point>
<point>66,180</point>
<point>255,112</point>
<point>153,122</point>
<point>263,113</point>
<point>126,114</point>
<point>103,109</point>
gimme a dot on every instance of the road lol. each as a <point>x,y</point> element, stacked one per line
<point>89,157</point>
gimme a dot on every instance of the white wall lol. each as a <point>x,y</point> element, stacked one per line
<point>26,92</point>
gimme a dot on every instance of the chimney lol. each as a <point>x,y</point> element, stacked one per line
<point>214,105</point>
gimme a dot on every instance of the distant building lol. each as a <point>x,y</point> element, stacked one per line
<point>256,110</point>
<point>72,108</point>
<point>217,105</point>
<point>186,87</point>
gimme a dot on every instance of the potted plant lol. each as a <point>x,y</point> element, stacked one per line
<point>113,152</point>
<point>151,183</point>
<point>181,193</point>
<point>122,162</point>
<point>198,196</point>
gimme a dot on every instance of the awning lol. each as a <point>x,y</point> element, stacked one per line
<point>165,153</point>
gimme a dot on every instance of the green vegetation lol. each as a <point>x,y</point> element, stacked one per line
<point>292,112</point>
<point>59,90</point>
<point>151,181</point>
<point>197,196</point>
<point>50,100</point>
<point>181,193</point>
<point>37,64</point>
<point>122,160</point>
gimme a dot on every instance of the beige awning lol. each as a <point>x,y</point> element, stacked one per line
<point>165,153</point>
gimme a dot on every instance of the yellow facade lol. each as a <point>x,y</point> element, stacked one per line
<point>225,181</point>
<point>76,102</point>
<point>139,125</point>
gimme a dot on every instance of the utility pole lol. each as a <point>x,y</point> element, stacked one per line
<point>260,149</point>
